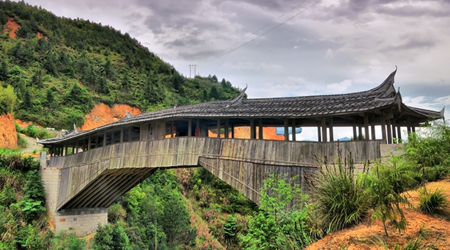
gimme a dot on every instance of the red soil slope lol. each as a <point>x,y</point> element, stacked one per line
<point>102,114</point>
<point>10,27</point>
<point>435,229</point>
<point>8,133</point>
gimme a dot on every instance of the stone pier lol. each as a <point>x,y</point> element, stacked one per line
<point>82,221</point>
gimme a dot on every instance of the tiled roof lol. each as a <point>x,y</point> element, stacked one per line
<point>285,107</point>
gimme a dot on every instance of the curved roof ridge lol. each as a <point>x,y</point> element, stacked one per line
<point>384,87</point>
<point>237,99</point>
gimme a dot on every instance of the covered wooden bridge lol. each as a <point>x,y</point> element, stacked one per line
<point>97,166</point>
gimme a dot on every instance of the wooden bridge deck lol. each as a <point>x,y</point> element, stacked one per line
<point>96,178</point>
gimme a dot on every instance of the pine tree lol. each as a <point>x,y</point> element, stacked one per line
<point>230,228</point>
<point>4,71</point>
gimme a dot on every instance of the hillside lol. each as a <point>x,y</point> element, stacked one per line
<point>60,68</point>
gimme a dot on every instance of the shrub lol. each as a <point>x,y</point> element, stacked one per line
<point>430,150</point>
<point>385,185</point>
<point>340,198</point>
<point>432,202</point>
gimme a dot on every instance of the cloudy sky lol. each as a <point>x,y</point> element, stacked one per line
<point>291,48</point>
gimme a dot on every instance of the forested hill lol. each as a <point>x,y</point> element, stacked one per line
<point>60,68</point>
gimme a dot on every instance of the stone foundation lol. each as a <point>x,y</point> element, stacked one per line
<point>82,221</point>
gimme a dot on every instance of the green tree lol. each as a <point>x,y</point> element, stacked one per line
<point>230,228</point>
<point>7,99</point>
<point>50,98</point>
<point>4,71</point>
<point>27,104</point>
<point>111,237</point>
<point>276,225</point>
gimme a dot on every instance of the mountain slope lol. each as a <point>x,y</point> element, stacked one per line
<point>61,67</point>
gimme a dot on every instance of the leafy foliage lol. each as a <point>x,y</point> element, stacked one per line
<point>385,185</point>
<point>22,211</point>
<point>278,225</point>
<point>77,63</point>
<point>430,150</point>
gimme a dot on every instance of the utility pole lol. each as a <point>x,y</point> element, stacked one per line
<point>195,69</point>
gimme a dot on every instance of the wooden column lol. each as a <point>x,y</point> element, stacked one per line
<point>389,127</point>
<point>121,135</point>
<point>293,131</point>
<point>260,132</point>
<point>399,133</point>
<point>383,128</point>
<point>413,129</point>
<point>66,151</point>
<point>232,131</point>
<point>408,126</point>
<point>286,130</point>
<point>104,138</point>
<point>331,130</point>
<point>366,126</point>
<point>252,129</point>
<point>372,127</point>
<point>227,128</point>
<point>89,143</point>
<point>394,133</point>
<point>190,127</point>
<point>360,133</point>
<point>319,138</point>
<point>172,129</point>
<point>76,147</point>
<point>218,128</point>
<point>355,136</point>
<point>197,128</point>
<point>324,130</point>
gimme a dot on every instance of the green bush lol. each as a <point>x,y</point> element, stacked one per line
<point>384,186</point>
<point>277,225</point>
<point>339,196</point>
<point>432,202</point>
<point>65,240</point>
<point>430,150</point>
<point>21,142</point>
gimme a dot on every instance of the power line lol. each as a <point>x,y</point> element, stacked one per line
<point>256,31</point>
<point>278,25</point>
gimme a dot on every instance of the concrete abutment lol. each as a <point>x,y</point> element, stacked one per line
<point>82,221</point>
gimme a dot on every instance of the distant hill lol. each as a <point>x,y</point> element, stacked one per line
<point>60,68</point>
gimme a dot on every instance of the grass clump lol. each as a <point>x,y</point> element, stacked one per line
<point>340,198</point>
<point>432,202</point>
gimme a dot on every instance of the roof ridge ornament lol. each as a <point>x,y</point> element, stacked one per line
<point>127,115</point>
<point>75,130</point>
<point>236,100</point>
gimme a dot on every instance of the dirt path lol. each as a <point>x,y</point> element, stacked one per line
<point>32,145</point>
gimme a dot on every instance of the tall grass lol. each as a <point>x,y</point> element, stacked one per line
<point>432,201</point>
<point>340,199</point>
